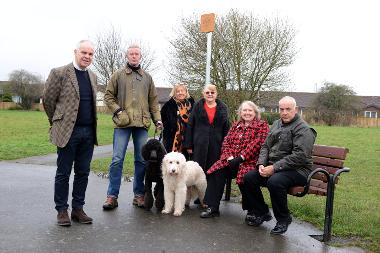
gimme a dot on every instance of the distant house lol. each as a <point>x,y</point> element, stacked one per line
<point>268,101</point>
<point>163,95</point>
<point>99,98</point>
<point>369,105</point>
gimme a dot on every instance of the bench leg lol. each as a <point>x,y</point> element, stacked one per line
<point>227,195</point>
<point>329,209</point>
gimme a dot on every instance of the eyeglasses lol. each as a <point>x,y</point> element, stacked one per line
<point>209,92</point>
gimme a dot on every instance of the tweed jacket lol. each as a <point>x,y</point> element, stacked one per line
<point>135,93</point>
<point>245,141</point>
<point>61,102</point>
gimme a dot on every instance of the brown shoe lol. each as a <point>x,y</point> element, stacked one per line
<point>110,203</point>
<point>63,218</point>
<point>138,201</point>
<point>80,216</point>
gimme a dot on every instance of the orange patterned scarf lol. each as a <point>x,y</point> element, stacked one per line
<point>183,112</point>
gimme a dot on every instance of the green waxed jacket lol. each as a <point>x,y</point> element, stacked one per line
<point>289,146</point>
<point>135,93</point>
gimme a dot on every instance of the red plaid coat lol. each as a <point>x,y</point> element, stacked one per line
<point>245,141</point>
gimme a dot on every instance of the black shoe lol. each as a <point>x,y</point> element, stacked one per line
<point>250,216</point>
<point>209,213</point>
<point>251,220</point>
<point>281,227</point>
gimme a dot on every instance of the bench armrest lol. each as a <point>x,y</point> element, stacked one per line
<point>306,187</point>
<point>338,172</point>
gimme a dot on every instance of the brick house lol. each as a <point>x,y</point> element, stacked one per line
<point>268,102</point>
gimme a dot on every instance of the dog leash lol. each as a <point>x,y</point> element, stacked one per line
<point>156,134</point>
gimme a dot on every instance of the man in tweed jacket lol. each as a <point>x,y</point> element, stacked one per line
<point>69,100</point>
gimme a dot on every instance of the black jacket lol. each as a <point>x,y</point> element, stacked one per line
<point>289,146</point>
<point>169,113</point>
<point>206,139</point>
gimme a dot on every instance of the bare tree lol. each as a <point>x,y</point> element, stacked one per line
<point>249,55</point>
<point>110,54</point>
<point>27,86</point>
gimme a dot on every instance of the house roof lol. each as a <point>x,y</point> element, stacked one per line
<point>163,94</point>
<point>370,101</point>
<point>305,99</point>
<point>270,98</point>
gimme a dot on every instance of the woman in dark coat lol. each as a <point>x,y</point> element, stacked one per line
<point>240,151</point>
<point>175,116</point>
<point>207,127</point>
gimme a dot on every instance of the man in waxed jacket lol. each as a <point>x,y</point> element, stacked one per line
<point>132,98</point>
<point>285,161</point>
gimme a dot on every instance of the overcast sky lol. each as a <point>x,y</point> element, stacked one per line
<point>338,41</point>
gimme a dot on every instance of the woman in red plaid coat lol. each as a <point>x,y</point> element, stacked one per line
<point>240,151</point>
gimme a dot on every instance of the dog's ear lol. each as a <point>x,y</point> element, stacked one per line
<point>182,161</point>
<point>164,166</point>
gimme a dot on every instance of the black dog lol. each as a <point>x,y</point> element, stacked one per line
<point>153,152</point>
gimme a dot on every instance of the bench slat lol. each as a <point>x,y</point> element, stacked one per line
<point>330,151</point>
<point>317,191</point>
<point>295,190</point>
<point>322,177</point>
<point>328,161</point>
<point>318,183</point>
<point>330,170</point>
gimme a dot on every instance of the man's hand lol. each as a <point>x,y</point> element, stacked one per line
<point>159,125</point>
<point>189,150</point>
<point>266,171</point>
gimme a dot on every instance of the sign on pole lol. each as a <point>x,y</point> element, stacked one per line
<point>207,23</point>
<point>208,26</point>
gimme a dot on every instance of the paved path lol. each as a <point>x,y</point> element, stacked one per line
<point>28,221</point>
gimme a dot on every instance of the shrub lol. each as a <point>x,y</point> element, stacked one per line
<point>6,98</point>
<point>270,117</point>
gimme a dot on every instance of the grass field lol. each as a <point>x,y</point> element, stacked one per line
<point>356,203</point>
<point>25,133</point>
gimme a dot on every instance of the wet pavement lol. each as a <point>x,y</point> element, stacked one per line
<point>28,221</point>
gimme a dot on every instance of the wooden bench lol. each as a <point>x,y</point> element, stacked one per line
<point>328,164</point>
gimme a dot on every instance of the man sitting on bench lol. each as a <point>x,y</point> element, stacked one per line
<point>285,161</point>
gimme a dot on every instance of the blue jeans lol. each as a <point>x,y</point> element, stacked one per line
<point>120,143</point>
<point>79,151</point>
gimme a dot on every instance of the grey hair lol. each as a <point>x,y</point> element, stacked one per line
<point>176,86</point>
<point>211,87</point>
<point>252,105</point>
<point>133,46</point>
<point>290,99</point>
<point>79,44</point>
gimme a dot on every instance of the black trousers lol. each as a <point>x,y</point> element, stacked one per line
<point>278,185</point>
<point>79,151</point>
<point>215,187</point>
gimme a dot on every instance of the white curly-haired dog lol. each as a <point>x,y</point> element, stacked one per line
<point>183,180</point>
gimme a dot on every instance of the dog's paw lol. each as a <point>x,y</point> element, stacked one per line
<point>177,213</point>
<point>165,211</point>
<point>203,206</point>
